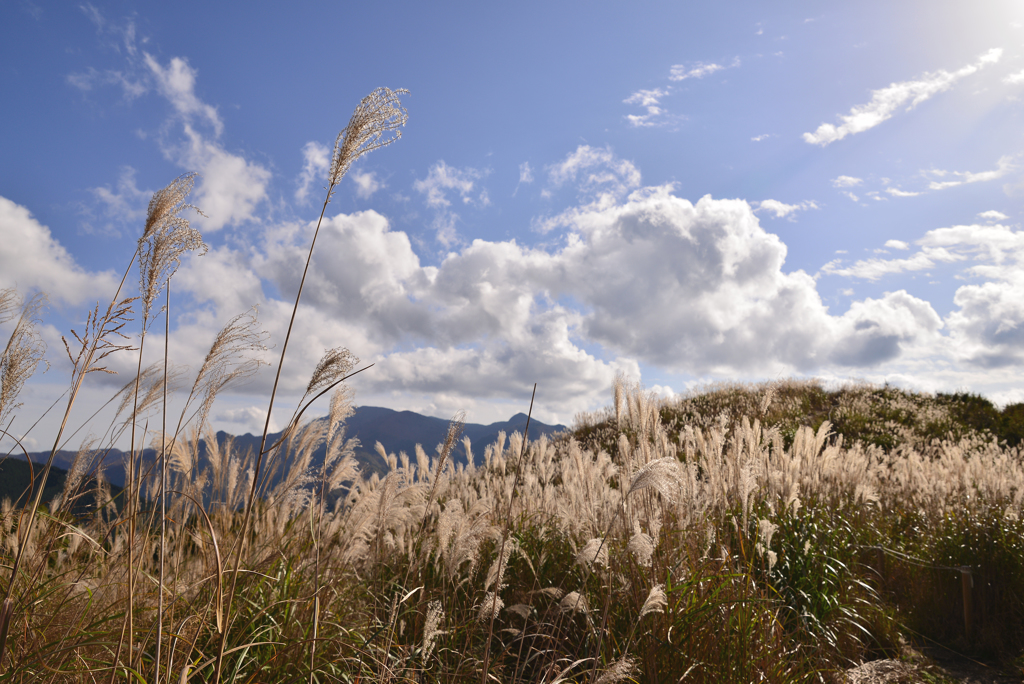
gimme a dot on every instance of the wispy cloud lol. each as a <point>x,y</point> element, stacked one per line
<point>656,114</point>
<point>366,183</point>
<point>177,82</point>
<point>681,72</point>
<point>442,181</point>
<point>885,101</point>
<point>525,176</point>
<point>316,159</point>
<point>1015,78</point>
<point>896,192</point>
<point>993,215</point>
<point>846,182</point>
<point>873,269</point>
<point>782,210</point>
<point>594,170</point>
<point>1003,166</point>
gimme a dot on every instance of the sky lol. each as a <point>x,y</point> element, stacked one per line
<point>680,193</point>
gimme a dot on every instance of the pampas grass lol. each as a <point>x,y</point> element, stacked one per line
<point>730,535</point>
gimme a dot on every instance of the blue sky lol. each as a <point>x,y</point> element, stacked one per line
<point>682,194</point>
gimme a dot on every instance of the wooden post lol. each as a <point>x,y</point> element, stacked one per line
<point>967,586</point>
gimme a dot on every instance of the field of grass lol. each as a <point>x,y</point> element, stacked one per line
<point>782,532</point>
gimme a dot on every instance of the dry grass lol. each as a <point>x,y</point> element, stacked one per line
<point>729,536</point>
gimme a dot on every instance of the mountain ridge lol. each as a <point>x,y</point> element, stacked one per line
<point>397,431</point>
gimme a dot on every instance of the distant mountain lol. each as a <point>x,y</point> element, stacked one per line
<point>397,431</point>
<point>15,477</point>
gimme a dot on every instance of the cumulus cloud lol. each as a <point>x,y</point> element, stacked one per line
<point>681,72</point>
<point>32,259</point>
<point>896,192</point>
<point>993,215</point>
<point>649,278</point>
<point>230,186</point>
<point>1003,167</point>
<point>885,101</point>
<point>988,327</point>
<point>782,210</point>
<point>896,244</point>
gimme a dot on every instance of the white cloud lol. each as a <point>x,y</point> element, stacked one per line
<point>525,173</point>
<point>656,115</point>
<point>993,215</point>
<point>230,187</point>
<point>885,101</point>
<point>781,210</point>
<point>680,72</point>
<point>440,181</point>
<point>31,259</point>
<point>177,83</point>
<point>851,195</point>
<point>896,192</point>
<point>118,206</point>
<point>91,78</point>
<point>896,244</point>
<point>763,136</point>
<point>316,159</point>
<point>595,169</point>
<point>846,182</point>
<point>988,326</point>
<point>873,269</point>
<point>1015,78</point>
<point>366,183</point>
<point>1003,166</point>
<point>651,278</point>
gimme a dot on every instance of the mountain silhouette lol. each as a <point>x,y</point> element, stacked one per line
<point>397,431</point>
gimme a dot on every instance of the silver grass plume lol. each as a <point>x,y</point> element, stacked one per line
<point>24,350</point>
<point>574,602</point>
<point>430,630</point>
<point>334,365</point>
<point>617,671</point>
<point>595,552</point>
<point>226,362</point>
<point>166,237</point>
<point>661,475</point>
<point>9,304</point>
<point>490,607</point>
<point>374,124</point>
<point>656,601</point>
<point>641,545</point>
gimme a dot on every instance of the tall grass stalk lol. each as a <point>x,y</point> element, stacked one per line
<point>504,540</point>
<point>379,114</point>
<point>96,343</point>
